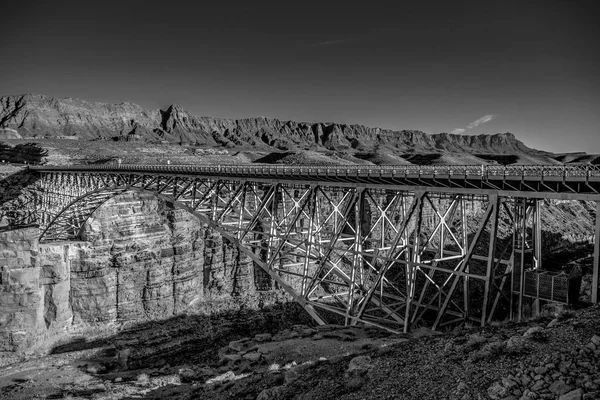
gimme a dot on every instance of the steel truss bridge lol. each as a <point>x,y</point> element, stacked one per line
<point>386,246</point>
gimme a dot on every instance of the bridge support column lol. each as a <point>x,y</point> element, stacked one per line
<point>489,275</point>
<point>537,247</point>
<point>526,249</point>
<point>596,274</point>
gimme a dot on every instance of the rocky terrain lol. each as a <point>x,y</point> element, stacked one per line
<point>76,130</point>
<point>555,356</point>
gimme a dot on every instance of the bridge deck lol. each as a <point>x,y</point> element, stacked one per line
<point>568,182</point>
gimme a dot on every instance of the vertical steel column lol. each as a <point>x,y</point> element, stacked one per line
<point>512,261</point>
<point>465,246</point>
<point>537,221</point>
<point>596,275</point>
<point>214,201</point>
<point>489,274</point>
<point>271,241</point>
<point>414,258</point>
<point>311,242</point>
<point>537,246</point>
<point>242,207</point>
<point>357,259</point>
<point>522,244</point>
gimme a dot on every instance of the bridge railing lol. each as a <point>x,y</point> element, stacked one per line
<point>483,171</point>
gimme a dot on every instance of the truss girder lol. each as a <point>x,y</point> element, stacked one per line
<point>385,257</point>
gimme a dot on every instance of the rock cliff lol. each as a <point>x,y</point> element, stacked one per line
<point>41,116</point>
<point>139,261</point>
<point>21,292</point>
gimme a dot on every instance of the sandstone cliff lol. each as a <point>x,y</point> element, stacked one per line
<point>48,117</point>
<point>139,261</point>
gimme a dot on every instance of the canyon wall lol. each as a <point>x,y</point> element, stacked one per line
<point>21,293</point>
<point>139,261</point>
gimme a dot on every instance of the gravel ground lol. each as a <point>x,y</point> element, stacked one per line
<point>511,361</point>
<point>555,357</point>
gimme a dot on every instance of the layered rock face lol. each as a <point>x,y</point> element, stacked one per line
<point>35,284</point>
<point>21,293</point>
<point>7,133</point>
<point>43,116</point>
<point>144,261</point>
<point>31,115</point>
<point>140,261</point>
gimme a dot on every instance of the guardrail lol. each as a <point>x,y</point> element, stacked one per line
<point>483,171</point>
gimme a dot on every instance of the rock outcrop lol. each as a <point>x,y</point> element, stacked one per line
<point>48,117</point>
<point>139,261</point>
<point>7,133</point>
<point>21,292</point>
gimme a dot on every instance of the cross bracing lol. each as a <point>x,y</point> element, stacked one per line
<point>389,252</point>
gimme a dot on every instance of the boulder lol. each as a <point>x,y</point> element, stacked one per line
<point>559,387</point>
<point>263,337</point>
<point>497,391</point>
<point>232,357</point>
<point>252,357</point>
<point>576,394</point>
<point>359,365</point>
<point>227,376</point>
<point>536,333</point>
<point>515,344</point>
<point>424,332</point>
<point>274,393</point>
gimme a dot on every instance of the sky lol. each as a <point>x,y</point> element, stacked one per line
<point>527,67</point>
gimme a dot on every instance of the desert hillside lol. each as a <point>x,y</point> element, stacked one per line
<point>92,127</point>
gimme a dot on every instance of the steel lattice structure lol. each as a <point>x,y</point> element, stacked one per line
<point>382,248</point>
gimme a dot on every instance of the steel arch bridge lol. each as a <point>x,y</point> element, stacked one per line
<point>386,246</point>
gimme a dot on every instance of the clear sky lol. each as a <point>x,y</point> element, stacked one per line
<point>529,67</point>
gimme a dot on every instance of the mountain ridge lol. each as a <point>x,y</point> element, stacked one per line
<point>40,116</point>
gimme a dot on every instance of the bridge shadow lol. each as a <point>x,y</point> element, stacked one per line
<point>163,348</point>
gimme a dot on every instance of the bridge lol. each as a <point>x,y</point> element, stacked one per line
<point>385,245</point>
